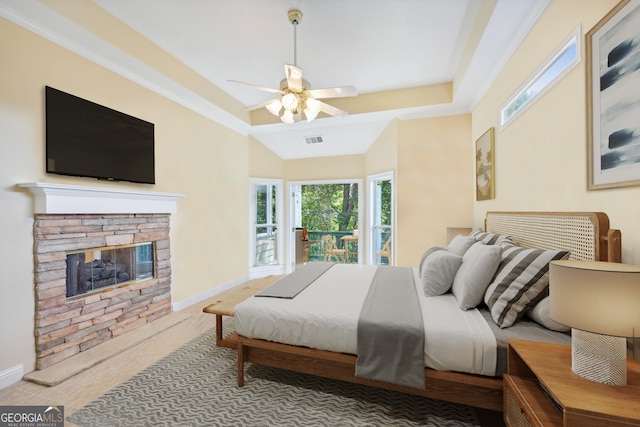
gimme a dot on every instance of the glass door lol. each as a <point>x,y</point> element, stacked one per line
<point>266,209</point>
<point>321,211</point>
<point>381,218</point>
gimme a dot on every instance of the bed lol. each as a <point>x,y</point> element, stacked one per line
<point>316,332</point>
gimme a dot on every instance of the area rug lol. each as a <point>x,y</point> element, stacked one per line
<point>196,386</point>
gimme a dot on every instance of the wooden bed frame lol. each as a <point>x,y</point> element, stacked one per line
<point>586,234</point>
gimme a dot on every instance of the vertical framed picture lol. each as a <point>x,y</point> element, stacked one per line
<point>485,170</point>
<point>613,98</point>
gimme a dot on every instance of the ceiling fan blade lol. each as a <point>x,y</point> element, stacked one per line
<point>335,92</point>
<point>263,88</point>
<point>260,105</point>
<point>294,77</point>
<point>331,110</point>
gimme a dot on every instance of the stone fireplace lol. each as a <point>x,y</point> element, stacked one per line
<point>66,325</point>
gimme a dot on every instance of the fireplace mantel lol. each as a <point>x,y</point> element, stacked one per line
<point>74,199</point>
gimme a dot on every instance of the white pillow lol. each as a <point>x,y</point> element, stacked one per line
<point>541,313</point>
<point>438,270</point>
<point>460,244</point>
<point>479,264</point>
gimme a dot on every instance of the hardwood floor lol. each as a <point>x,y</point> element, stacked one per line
<point>86,386</point>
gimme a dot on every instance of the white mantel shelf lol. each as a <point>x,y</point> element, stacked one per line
<point>74,199</point>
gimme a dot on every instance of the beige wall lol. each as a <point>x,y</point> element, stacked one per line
<point>325,168</point>
<point>541,156</point>
<point>434,183</point>
<point>264,163</point>
<point>194,156</point>
<point>382,156</point>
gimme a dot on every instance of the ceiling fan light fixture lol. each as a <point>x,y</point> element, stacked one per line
<point>312,108</point>
<point>287,117</point>
<point>290,101</point>
<point>274,107</point>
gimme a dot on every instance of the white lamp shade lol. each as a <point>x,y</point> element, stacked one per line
<point>274,107</point>
<point>287,117</point>
<point>596,296</point>
<point>312,108</point>
<point>290,101</point>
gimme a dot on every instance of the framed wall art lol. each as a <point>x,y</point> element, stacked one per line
<point>485,170</point>
<point>613,98</point>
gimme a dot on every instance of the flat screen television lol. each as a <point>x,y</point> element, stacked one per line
<point>90,140</point>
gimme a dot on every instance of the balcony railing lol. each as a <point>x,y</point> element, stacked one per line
<point>266,249</point>
<point>316,249</point>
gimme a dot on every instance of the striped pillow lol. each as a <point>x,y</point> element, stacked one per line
<point>521,281</point>
<point>491,238</point>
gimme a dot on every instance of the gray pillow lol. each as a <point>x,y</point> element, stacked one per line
<point>461,244</point>
<point>438,270</point>
<point>479,264</point>
<point>427,253</point>
<point>541,313</point>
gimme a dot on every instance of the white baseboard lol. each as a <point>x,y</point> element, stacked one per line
<point>11,376</point>
<point>179,305</point>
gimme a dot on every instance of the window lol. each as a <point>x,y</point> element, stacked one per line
<point>555,67</point>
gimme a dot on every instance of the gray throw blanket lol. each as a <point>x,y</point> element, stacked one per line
<point>292,284</point>
<point>390,330</point>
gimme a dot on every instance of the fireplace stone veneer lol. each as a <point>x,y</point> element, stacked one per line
<point>67,326</point>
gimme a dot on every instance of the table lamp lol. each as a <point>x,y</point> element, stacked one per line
<point>600,301</point>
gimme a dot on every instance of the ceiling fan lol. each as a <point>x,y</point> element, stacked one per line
<point>295,94</point>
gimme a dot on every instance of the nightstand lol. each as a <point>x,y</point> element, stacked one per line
<point>540,389</point>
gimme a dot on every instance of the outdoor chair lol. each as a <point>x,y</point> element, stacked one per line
<point>331,250</point>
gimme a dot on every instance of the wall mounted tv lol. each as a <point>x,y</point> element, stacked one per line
<point>90,140</point>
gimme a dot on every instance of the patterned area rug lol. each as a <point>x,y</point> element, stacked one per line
<point>196,386</point>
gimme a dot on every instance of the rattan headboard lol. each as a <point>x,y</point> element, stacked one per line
<point>585,234</point>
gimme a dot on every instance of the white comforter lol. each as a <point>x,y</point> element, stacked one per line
<point>325,316</point>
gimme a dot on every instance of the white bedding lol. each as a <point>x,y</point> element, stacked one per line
<point>325,316</point>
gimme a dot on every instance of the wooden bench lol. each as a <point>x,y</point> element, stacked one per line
<point>226,302</point>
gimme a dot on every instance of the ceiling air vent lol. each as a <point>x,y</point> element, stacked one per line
<point>313,139</point>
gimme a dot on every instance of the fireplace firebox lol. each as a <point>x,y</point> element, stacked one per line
<point>99,268</point>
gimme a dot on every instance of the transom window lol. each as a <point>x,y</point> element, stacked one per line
<point>565,57</point>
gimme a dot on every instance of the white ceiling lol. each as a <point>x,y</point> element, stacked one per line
<point>374,45</point>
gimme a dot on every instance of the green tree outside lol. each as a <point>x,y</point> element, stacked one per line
<point>330,207</point>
